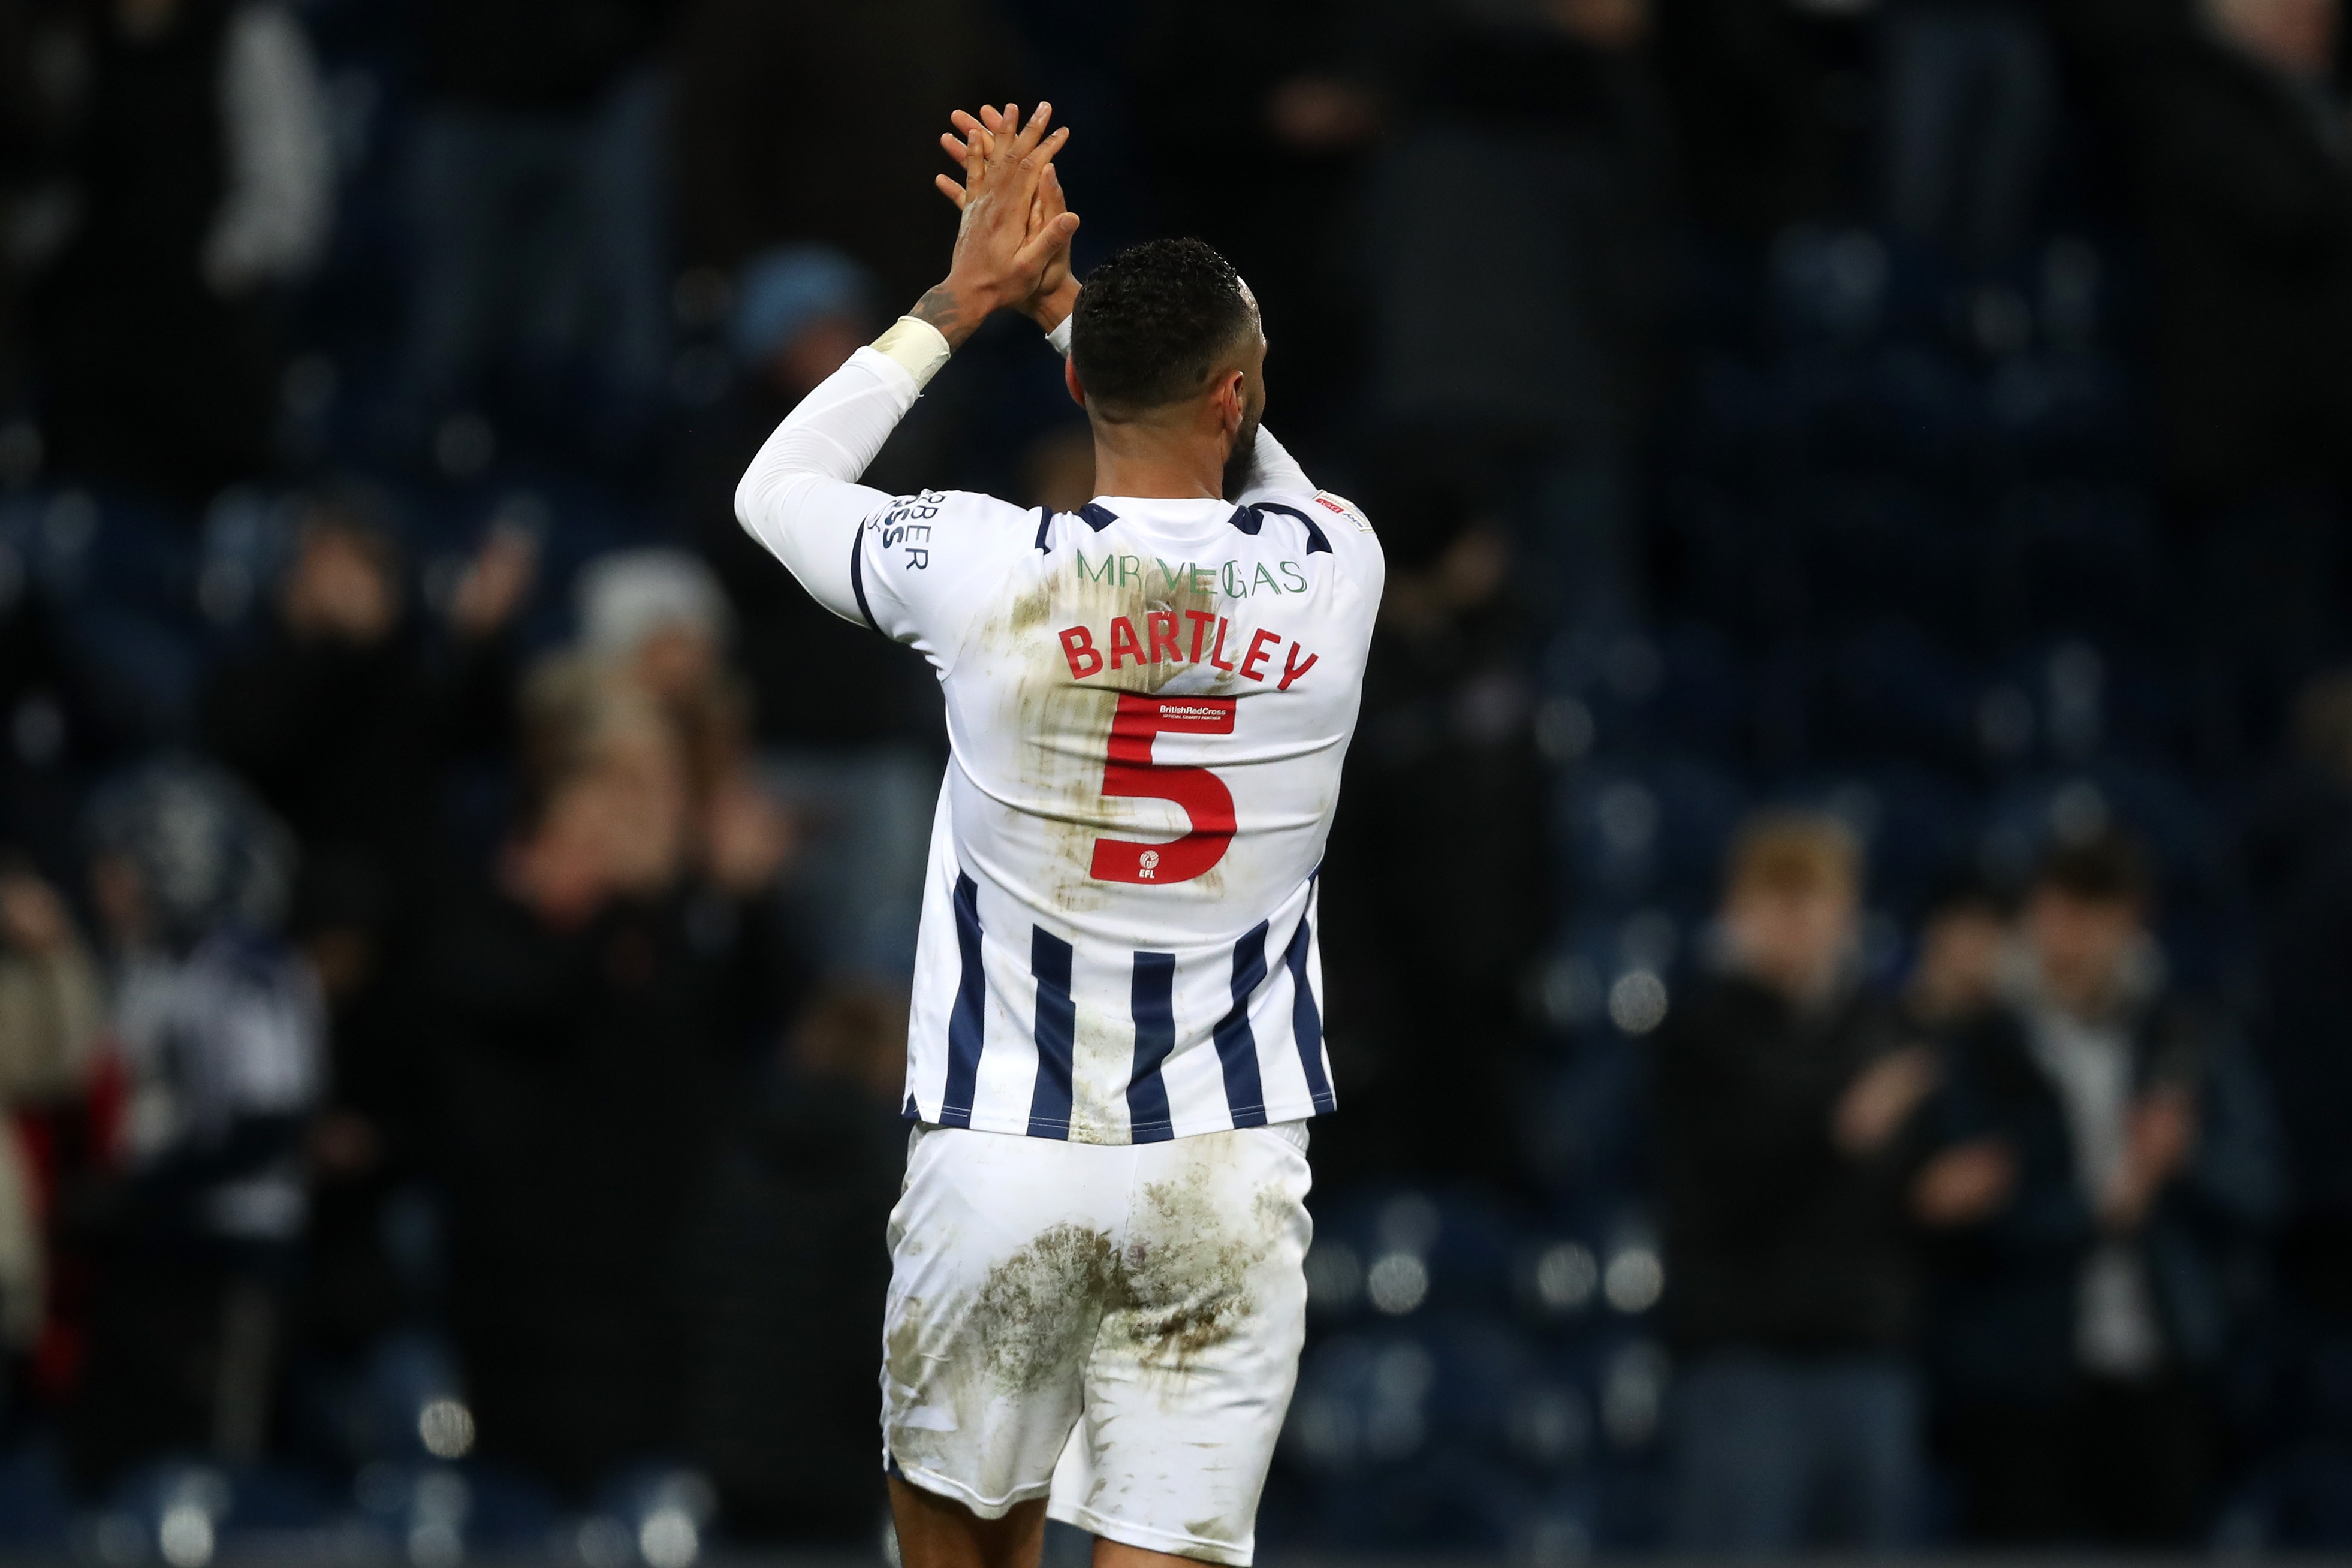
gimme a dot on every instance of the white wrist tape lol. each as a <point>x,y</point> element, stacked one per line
<point>917,348</point>
<point>1060,336</point>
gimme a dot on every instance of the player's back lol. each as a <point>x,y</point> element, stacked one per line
<point>1149,704</point>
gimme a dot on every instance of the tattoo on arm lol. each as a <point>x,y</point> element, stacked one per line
<point>940,309</point>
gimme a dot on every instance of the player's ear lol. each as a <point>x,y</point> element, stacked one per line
<point>1070,380</point>
<point>1233,400</point>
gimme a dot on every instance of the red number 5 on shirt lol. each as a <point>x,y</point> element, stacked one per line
<point>1130,772</point>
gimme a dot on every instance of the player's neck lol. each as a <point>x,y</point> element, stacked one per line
<point>1159,473</point>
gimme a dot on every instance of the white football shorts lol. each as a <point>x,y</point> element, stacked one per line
<point>1113,1327</point>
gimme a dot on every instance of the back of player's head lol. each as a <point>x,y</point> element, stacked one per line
<point>1154,323</point>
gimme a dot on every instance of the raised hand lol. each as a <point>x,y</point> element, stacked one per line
<point>1050,303</point>
<point>1000,257</point>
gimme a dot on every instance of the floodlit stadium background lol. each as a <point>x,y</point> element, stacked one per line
<point>458,895</point>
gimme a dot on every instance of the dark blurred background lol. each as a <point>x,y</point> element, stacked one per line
<point>1839,928</point>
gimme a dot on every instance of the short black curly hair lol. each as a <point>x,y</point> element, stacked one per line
<point>1154,320</point>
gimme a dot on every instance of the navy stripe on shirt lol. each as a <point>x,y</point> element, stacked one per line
<point>967,1023</point>
<point>857,577</point>
<point>1315,542</point>
<point>1057,1028</point>
<point>1307,1020</point>
<point>1154,1006</point>
<point>1236,1044</point>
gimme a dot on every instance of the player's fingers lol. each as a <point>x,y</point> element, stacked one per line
<point>975,151</point>
<point>949,189</point>
<point>952,145</point>
<point>1034,133</point>
<point>1045,152</point>
<point>1041,247</point>
<point>1049,204</point>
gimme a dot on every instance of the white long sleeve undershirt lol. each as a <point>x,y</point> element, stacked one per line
<point>800,498</point>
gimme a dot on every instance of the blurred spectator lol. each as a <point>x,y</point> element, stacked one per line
<point>658,621</point>
<point>1533,137</point>
<point>220,1028</point>
<point>536,173</point>
<point>799,312</point>
<point>1443,797</point>
<point>197,173</point>
<point>1783,1094</point>
<point>754,75</point>
<point>1971,94</point>
<point>51,1011</point>
<point>589,1015</point>
<point>2109,1170</point>
<point>854,753</point>
<point>1273,174</point>
<point>345,719</point>
<point>2299,854</point>
<point>1962,938</point>
<point>2238,138</point>
<point>782,1403</point>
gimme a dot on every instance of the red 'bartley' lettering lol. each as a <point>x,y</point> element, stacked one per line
<point>1260,648</point>
<point>1078,648</point>
<point>1291,668</point>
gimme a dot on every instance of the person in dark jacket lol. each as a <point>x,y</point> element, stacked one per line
<point>199,171</point>
<point>345,718</point>
<point>1445,797</point>
<point>2299,858</point>
<point>2227,114</point>
<point>1783,1091</point>
<point>591,1012</point>
<point>2109,1165</point>
<point>781,1405</point>
<point>854,755</point>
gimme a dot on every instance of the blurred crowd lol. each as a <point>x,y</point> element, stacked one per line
<point>1837,928</point>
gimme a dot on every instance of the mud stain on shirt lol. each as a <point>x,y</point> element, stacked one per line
<point>1064,721</point>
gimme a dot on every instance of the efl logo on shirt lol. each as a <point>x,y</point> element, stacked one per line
<point>1344,507</point>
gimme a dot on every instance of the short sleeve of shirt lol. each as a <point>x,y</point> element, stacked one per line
<point>928,565</point>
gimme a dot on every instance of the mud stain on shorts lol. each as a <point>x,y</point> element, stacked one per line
<point>1179,1287</point>
<point>902,1347</point>
<point>1037,1311</point>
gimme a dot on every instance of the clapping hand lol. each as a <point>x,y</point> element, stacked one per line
<point>1000,256</point>
<point>1050,303</point>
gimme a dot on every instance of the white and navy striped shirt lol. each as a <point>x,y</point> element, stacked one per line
<point>1147,703</point>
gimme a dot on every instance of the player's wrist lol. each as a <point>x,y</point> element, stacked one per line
<point>956,307</point>
<point>1050,310</point>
